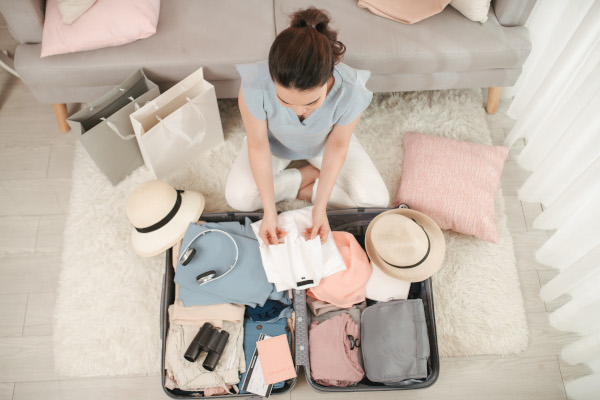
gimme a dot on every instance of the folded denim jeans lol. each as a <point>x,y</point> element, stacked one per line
<point>269,311</point>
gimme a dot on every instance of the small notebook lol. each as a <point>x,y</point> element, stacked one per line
<point>276,359</point>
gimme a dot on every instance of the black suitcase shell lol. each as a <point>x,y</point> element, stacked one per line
<point>354,221</point>
<point>168,298</point>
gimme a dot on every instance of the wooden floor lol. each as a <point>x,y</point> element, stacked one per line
<point>35,177</point>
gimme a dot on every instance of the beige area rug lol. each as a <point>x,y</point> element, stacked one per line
<point>106,318</point>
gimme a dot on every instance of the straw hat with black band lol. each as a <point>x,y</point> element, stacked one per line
<point>405,244</point>
<point>160,216</point>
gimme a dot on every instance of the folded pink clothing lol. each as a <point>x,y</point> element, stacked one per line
<point>213,314</point>
<point>175,253</point>
<point>318,307</point>
<point>333,352</point>
<point>345,288</point>
<point>216,391</point>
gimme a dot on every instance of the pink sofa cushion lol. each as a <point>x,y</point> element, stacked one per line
<point>453,182</point>
<point>107,23</point>
<point>73,9</point>
<point>405,11</point>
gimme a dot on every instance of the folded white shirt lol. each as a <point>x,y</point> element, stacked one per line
<point>297,262</point>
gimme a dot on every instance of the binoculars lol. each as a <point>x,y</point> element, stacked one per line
<point>210,340</point>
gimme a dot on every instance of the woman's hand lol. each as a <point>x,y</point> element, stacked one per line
<point>268,231</point>
<point>320,226</point>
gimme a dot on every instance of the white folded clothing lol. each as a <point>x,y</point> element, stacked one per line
<point>297,262</point>
<point>192,375</point>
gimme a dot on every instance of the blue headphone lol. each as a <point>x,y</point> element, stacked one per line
<point>188,253</point>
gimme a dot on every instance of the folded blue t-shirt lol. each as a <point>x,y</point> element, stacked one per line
<point>246,283</point>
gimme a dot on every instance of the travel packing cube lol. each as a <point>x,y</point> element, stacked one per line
<point>395,328</point>
<point>354,221</point>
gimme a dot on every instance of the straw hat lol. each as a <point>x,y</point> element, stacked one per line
<point>405,244</point>
<point>160,216</point>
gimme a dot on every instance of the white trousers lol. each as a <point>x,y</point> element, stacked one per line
<point>358,184</point>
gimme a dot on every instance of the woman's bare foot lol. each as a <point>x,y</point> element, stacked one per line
<point>309,175</point>
<point>305,193</point>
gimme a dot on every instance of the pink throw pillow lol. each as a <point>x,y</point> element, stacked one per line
<point>453,182</point>
<point>405,11</point>
<point>107,23</point>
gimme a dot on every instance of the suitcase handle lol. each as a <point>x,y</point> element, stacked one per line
<point>301,352</point>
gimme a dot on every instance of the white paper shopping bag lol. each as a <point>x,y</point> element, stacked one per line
<point>180,125</point>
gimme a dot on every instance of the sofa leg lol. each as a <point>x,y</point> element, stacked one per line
<point>493,99</point>
<point>61,116</point>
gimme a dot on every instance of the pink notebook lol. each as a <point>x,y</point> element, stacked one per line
<point>276,359</point>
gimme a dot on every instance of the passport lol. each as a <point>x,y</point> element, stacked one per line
<point>276,359</point>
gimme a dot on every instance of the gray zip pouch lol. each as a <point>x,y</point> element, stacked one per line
<point>394,342</point>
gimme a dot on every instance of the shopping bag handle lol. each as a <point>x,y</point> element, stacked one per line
<point>115,129</point>
<point>92,107</point>
<point>180,133</point>
<point>136,106</point>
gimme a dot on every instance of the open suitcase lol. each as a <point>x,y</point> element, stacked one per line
<point>354,221</point>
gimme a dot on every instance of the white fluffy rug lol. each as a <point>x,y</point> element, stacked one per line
<point>106,318</point>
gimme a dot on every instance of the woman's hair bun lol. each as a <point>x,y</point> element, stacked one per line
<point>303,56</point>
<point>312,17</point>
<point>319,19</point>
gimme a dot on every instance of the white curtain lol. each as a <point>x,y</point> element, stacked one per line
<point>557,112</point>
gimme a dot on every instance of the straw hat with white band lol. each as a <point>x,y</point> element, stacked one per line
<point>160,216</point>
<point>405,244</point>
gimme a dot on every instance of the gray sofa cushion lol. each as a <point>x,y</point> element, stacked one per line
<point>214,34</point>
<point>25,19</point>
<point>443,80</point>
<point>446,42</point>
<point>513,12</point>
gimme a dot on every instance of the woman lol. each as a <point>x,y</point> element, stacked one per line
<point>303,104</point>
